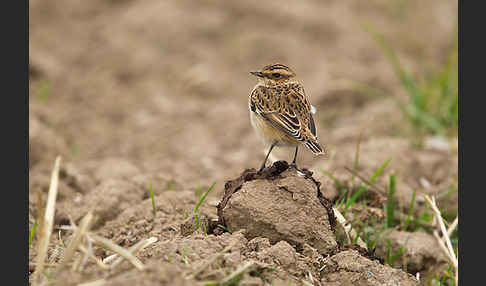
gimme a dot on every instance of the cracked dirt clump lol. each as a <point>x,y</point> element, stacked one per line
<point>280,203</point>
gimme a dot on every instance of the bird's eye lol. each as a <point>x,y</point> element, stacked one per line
<point>276,75</point>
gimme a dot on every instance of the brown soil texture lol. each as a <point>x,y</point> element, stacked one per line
<point>140,93</point>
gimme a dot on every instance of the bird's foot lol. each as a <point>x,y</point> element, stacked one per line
<point>261,169</point>
<point>293,165</point>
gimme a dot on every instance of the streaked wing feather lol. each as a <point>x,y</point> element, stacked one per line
<point>281,113</point>
<point>279,122</point>
<point>312,126</point>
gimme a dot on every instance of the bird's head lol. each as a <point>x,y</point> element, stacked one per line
<point>275,74</point>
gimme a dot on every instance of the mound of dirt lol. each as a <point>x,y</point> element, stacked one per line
<point>421,250</point>
<point>281,203</point>
<point>350,268</point>
<point>289,224</point>
<point>279,223</point>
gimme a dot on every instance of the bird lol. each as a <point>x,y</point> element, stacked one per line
<point>281,113</point>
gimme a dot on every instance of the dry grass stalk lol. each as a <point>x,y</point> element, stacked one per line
<point>200,269</point>
<point>348,230</point>
<point>304,282</point>
<point>76,264</point>
<point>443,247</point>
<point>445,235</point>
<point>309,276</point>
<point>47,222</point>
<point>135,248</point>
<point>82,262</point>
<point>118,249</point>
<point>447,248</point>
<point>94,258</point>
<point>453,226</point>
<point>89,252</point>
<point>65,227</point>
<point>98,282</point>
<point>214,273</point>
<point>110,258</point>
<point>237,272</point>
<point>71,221</point>
<point>41,208</point>
<point>76,240</point>
<point>60,237</point>
<point>46,265</point>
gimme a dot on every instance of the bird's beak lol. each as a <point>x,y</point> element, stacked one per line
<point>257,73</point>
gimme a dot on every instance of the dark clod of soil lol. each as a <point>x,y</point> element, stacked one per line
<point>279,203</point>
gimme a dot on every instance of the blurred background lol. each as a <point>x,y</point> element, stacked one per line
<point>156,92</point>
<point>164,84</point>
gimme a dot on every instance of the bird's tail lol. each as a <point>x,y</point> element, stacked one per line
<point>314,146</point>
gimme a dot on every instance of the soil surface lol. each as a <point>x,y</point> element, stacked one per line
<point>139,93</point>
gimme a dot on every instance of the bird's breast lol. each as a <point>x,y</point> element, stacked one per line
<point>269,134</point>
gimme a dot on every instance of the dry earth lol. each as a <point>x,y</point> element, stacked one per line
<point>134,93</point>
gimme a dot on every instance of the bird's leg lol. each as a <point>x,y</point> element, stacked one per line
<point>294,164</point>
<point>268,154</point>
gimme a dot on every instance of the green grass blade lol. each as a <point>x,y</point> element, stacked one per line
<point>198,191</point>
<point>390,203</point>
<point>354,198</point>
<point>223,227</point>
<point>203,197</point>
<point>356,154</point>
<point>396,255</point>
<point>32,233</point>
<point>170,186</point>
<point>358,193</point>
<point>406,80</point>
<point>43,90</point>
<point>342,190</point>
<point>421,118</point>
<point>355,239</point>
<point>410,210</point>
<point>153,201</point>
<point>197,222</point>
<point>380,170</point>
<point>387,253</point>
<point>423,217</point>
<point>434,96</point>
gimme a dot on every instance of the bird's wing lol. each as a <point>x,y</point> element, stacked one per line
<point>288,111</point>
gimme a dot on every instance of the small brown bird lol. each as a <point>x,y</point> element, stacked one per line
<point>280,112</point>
